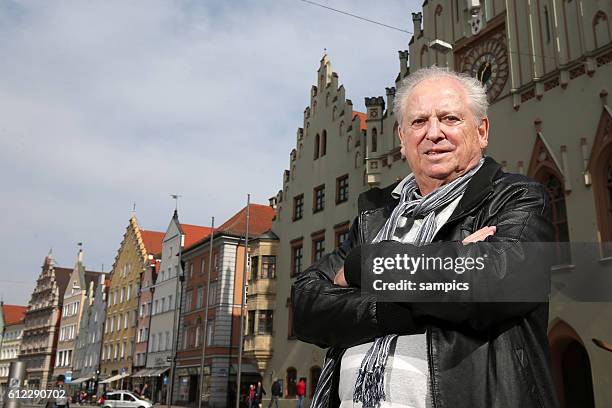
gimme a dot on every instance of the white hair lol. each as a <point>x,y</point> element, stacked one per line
<point>477,94</point>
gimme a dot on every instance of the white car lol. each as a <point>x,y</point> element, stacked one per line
<point>125,399</point>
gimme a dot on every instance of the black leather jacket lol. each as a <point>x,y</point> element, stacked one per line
<point>479,354</point>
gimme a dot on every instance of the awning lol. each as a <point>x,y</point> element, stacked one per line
<point>114,378</point>
<point>81,380</point>
<point>142,373</point>
<point>159,371</point>
<point>246,369</point>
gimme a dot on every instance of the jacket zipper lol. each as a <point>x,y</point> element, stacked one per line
<point>430,366</point>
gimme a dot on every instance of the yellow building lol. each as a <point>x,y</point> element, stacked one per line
<point>137,248</point>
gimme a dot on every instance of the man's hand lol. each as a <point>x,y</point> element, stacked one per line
<point>479,235</point>
<point>339,278</point>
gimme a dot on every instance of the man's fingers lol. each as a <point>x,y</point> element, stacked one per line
<point>339,278</point>
<point>480,235</point>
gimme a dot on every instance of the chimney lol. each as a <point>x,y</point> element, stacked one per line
<point>403,57</point>
<point>416,19</point>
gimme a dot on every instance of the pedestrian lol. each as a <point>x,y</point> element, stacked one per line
<point>61,400</point>
<point>300,391</point>
<point>251,396</point>
<point>259,393</point>
<point>276,393</point>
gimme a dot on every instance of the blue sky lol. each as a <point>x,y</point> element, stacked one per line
<point>109,103</point>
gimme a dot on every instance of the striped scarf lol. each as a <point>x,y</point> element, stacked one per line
<point>370,383</point>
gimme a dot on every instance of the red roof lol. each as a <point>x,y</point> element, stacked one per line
<point>152,241</point>
<point>362,119</point>
<point>194,233</point>
<point>13,314</point>
<point>260,220</point>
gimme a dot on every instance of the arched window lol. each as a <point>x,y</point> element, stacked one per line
<point>349,141</point>
<point>341,128</point>
<point>307,128</point>
<point>334,113</point>
<point>314,108</point>
<point>374,140</point>
<point>327,99</point>
<point>315,373</point>
<point>291,381</point>
<point>602,183</point>
<point>547,24</point>
<point>601,29</point>
<point>357,159</point>
<point>300,149</point>
<point>323,143</point>
<point>317,142</point>
<point>556,193</point>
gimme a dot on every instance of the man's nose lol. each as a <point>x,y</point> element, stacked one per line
<point>434,133</point>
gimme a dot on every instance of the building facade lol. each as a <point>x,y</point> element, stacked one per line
<point>41,325</point>
<point>133,258</point>
<point>88,345</point>
<point>12,332</point>
<point>546,67</point>
<point>224,302</point>
<point>261,300</point>
<point>80,290</point>
<point>145,300</point>
<point>314,210</point>
<point>165,302</point>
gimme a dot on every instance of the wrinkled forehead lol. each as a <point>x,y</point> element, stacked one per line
<point>443,94</point>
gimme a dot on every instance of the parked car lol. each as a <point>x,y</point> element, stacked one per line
<point>125,399</point>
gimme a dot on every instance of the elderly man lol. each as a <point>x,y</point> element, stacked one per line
<point>456,203</point>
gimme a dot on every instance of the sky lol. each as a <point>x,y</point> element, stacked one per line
<point>107,104</point>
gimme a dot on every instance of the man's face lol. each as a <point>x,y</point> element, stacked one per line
<point>439,135</point>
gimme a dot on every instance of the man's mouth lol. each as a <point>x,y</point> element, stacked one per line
<point>434,153</point>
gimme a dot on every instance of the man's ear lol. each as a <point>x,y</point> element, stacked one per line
<point>400,134</point>
<point>483,133</point>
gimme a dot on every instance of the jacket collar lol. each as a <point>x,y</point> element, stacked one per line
<point>479,187</point>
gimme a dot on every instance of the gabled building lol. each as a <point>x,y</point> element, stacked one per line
<point>88,347</point>
<point>224,300</point>
<point>134,256</point>
<point>41,325</point>
<point>314,210</point>
<point>79,292</point>
<point>12,332</point>
<point>165,302</point>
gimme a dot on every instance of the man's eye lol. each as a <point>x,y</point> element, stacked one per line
<point>418,122</point>
<point>450,120</point>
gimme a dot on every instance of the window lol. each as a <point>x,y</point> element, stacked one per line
<point>291,381</point>
<point>556,193</point>
<point>296,256</point>
<point>254,267</point>
<point>298,207</point>
<point>185,337</point>
<point>156,307</point>
<point>251,322</point>
<point>125,321</point>
<point>374,140</point>
<point>318,202</point>
<point>268,267</point>
<point>547,23</point>
<point>342,189</point>
<point>200,297</point>
<point>169,340</point>
<point>188,297</point>
<point>323,143</point>
<point>265,325</point>
<point>210,335</point>
<point>170,304</point>
<point>318,245</point>
<point>163,305</point>
<point>342,233</point>
<point>129,292</point>
<point>213,297</point>
<point>122,295</point>
<point>317,141</point>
